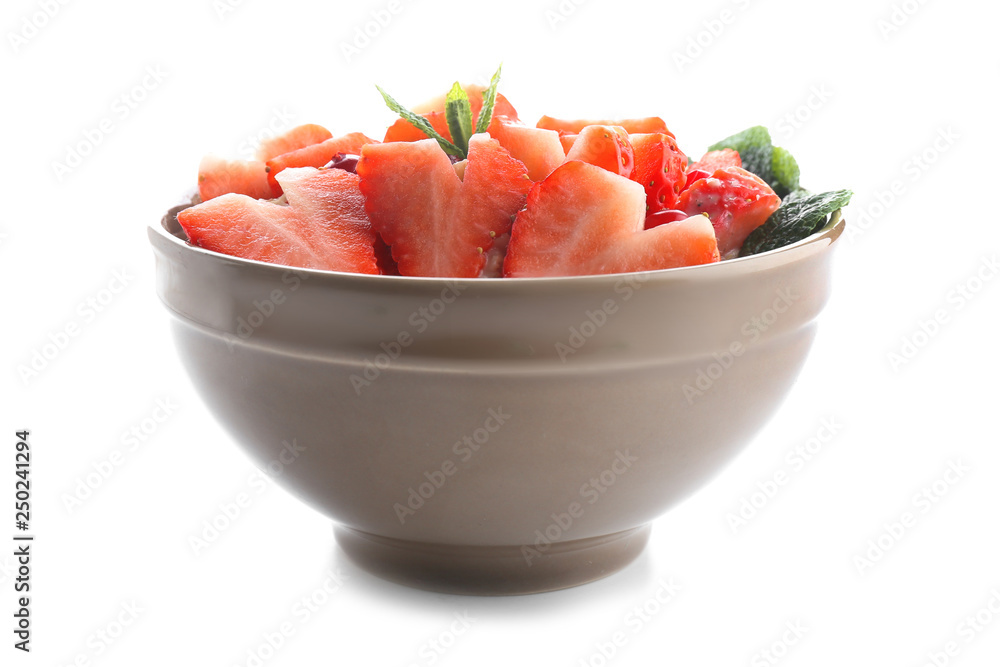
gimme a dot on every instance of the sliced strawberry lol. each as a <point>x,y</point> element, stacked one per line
<point>631,125</point>
<point>437,223</point>
<point>659,167</point>
<point>583,220</point>
<point>567,141</point>
<point>735,200</point>
<point>292,140</point>
<point>217,176</point>
<point>539,150</point>
<point>316,155</point>
<point>324,225</point>
<point>713,160</point>
<point>606,147</point>
<point>433,111</point>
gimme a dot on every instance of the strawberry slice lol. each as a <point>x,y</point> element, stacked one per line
<point>736,201</point>
<point>713,160</point>
<point>540,150</point>
<point>433,111</point>
<point>324,225</point>
<point>659,168</point>
<point>217,176</point>
<point>606,147</point>
<point>437,223</point>
<point>292,140</point>
<point>631,125</point>
<point>316,155</point>
<point>583,220</point>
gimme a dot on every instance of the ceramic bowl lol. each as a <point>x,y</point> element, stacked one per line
<point>493,436</point>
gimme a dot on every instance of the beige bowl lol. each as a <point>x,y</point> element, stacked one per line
<point>493,436</point>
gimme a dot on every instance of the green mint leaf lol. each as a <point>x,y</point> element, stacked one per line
<point>755,149</point>
<point>794,220</point>
<point>772,164</point>
<point>796,195</point>
<point>419,122</point>
<point>489,99</point>
<point>458,113</point>
<point>786,172</point>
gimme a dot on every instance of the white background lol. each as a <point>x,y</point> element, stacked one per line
<point>879,98</point>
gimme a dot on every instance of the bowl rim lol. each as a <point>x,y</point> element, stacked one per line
<point>161,238</point>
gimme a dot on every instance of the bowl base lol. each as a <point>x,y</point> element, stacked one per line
<point>492,570</point>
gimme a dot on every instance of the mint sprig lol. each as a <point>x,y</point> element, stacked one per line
<point>489,100</point>
<point>458,115</point>
<point>419,122</point>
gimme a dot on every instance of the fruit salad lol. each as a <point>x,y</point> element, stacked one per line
<point>466,189</point>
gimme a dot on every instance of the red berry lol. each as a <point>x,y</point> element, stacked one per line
<point>344,161</point>
<point>665,216</point>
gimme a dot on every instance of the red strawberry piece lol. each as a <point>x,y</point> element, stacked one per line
<point>540,150</point>
<point>324,225</point>
<point>292,140</point>
<point>664,217</point>
<point>316,155</point>
<point>606,147</point>
<point>713,160</point>
<point>659,167</point>
<point>217,176</point>
<point>433,111</point>
<point>583,220</point>
<point>735,200</point>
<point>437,223</point>
<point>695,175</point>
<point>631,125</point>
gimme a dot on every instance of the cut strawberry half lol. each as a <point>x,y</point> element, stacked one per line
<point>292,140</point>
<point>659,168</point>
<point>437,223</point>
<point>540,150</point>
<point>316,155</point>
<point>584,220</point>
<point>713,160</point>
<point>631,125</point>
<point>433,111</point>
<point>736,201</point>
<point>606,147</point>
<point>217,177</point>
<point>324,225</point>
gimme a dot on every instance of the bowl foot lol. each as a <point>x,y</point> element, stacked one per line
<point>492,570</point>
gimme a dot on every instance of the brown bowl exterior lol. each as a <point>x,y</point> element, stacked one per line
<point>518,415</point>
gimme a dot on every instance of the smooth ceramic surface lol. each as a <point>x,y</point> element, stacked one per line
<point>493,436</point>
